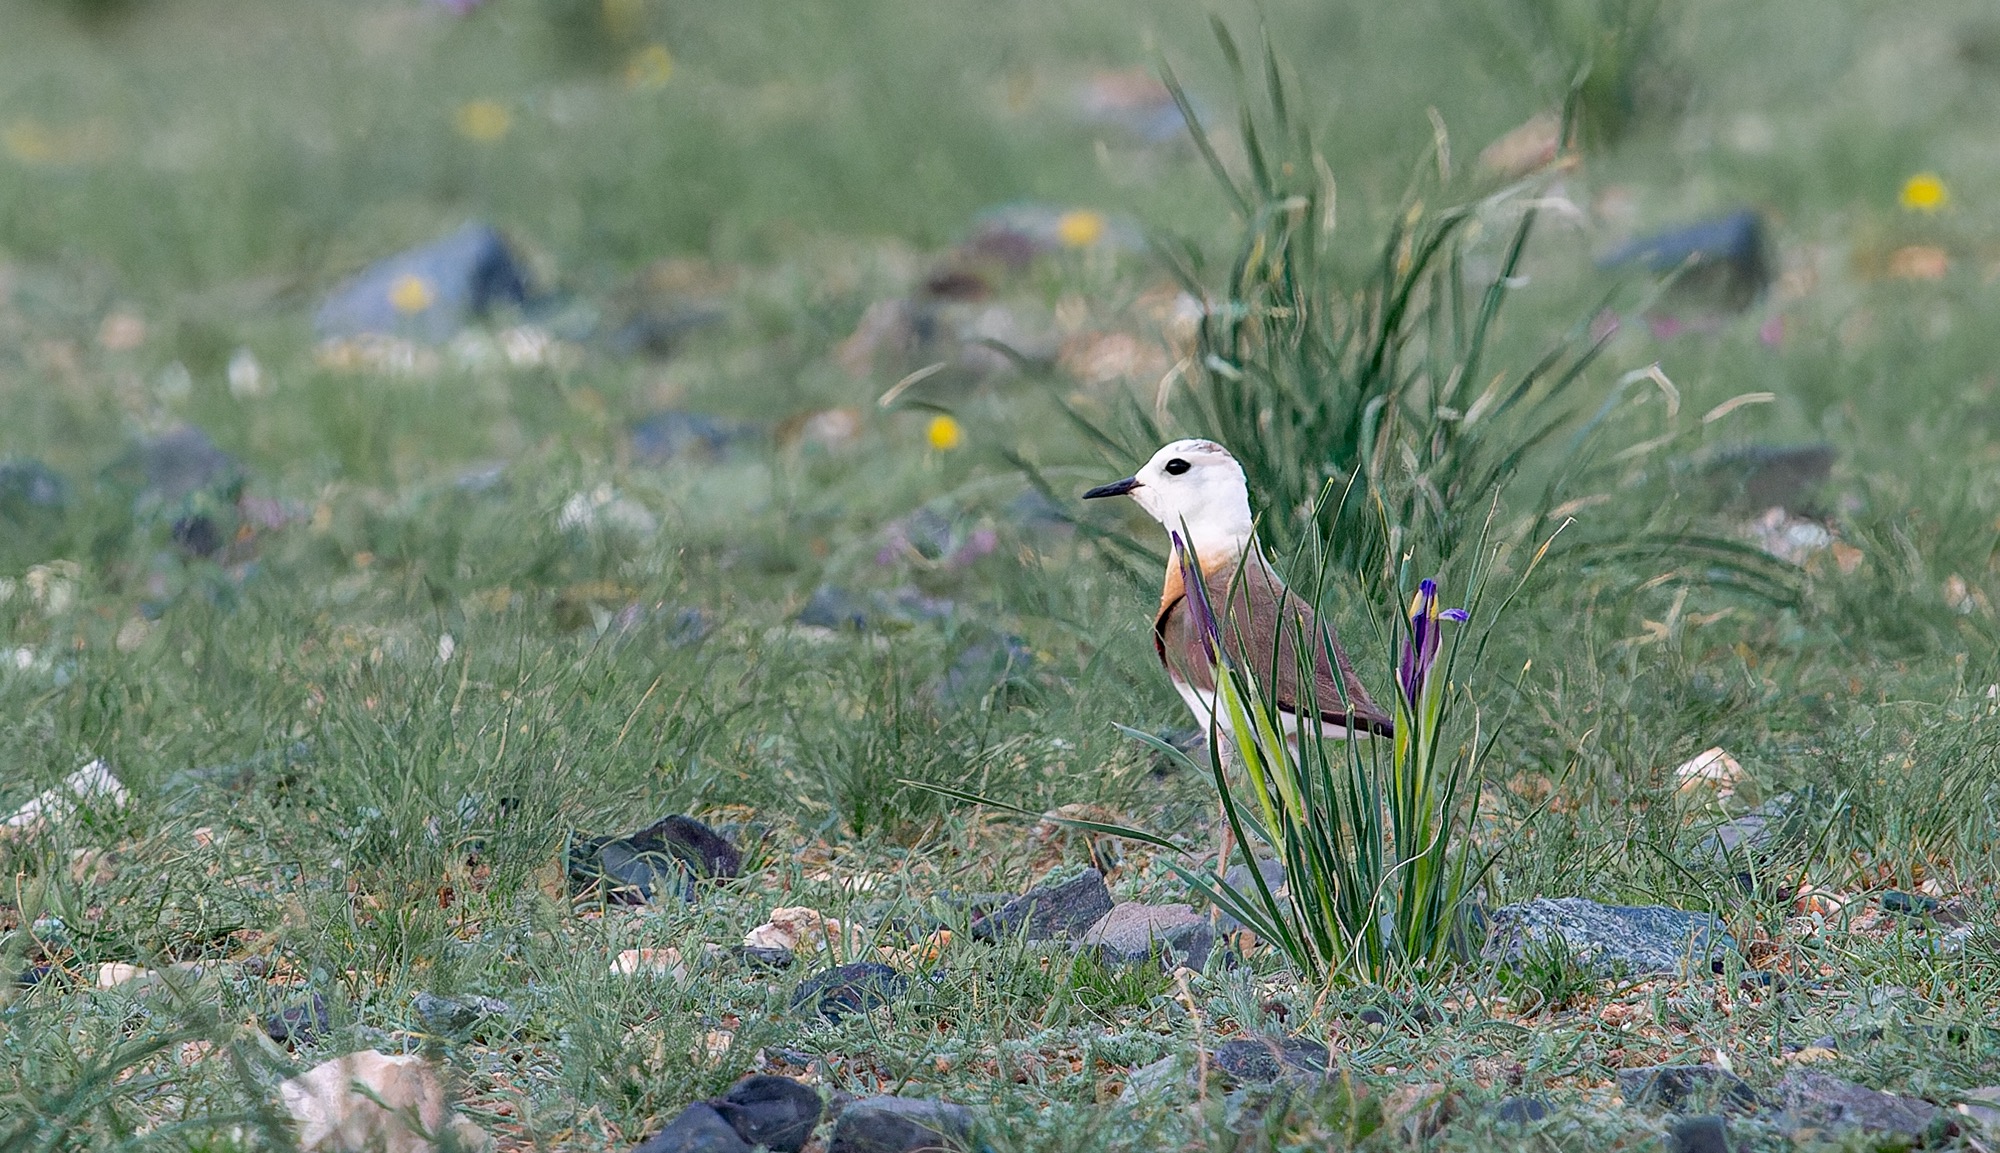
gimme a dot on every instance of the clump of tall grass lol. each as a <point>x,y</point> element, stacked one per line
<point>1385,387</point>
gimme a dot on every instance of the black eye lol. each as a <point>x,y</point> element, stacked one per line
<point>1176,466</point>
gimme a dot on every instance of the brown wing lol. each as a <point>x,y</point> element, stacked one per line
<point>1260,618</point>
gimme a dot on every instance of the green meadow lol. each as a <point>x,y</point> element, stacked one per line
<point>763,508</point>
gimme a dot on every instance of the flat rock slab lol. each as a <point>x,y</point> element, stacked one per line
<point>772,1113</point>
<point>1614,940</point>
<point>1068,908</point>
<point>900,1125</point>
<point>1815,1100</point>
<point>847,989</point>
<point>775,1113</point>
<point>1746,842</point>
<point>1133,933</point>
<point>699,1129</point>
<point>1261,1061</point>
<point>429,292</point>
<point>662,858</point>
<point>1675,1087</point>
<point>449,1015</point>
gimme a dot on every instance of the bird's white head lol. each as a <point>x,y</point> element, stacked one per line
<point>1193,487</point>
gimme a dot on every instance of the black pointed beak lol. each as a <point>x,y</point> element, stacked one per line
<point>1115,488</point>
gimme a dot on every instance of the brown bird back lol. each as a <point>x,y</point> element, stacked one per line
<point>1260,619</point>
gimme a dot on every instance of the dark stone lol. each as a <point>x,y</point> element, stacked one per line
<point>1674,1086</point>
<point>857,988</point>
<point>299,1024</point>
<point>989,666</point>
<point>450,1015</point>
<point>900,1125</point>
<point>1908,904</point>
<point>1615,940</point>
<point>769,958</point>
<point>1723,263</point>
<point>1067,908</point>
<point>454,280</point>
<point>1705,1133</point>
<point>1132,933</point>
<point>663,857</point>
<point>776,1113</point>
<point>834,608</point>
<point>1190,742</point>
<point>676,435</point>
<point>699,1129</point>
<point>1266,1060</point>
<point>198,535</point>
<point>176,465</point>
<point>1523,1110</point>
<point>1760,476</point>
<point>1817,1100</point>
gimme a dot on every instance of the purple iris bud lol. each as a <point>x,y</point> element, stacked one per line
<point>1422,650</point>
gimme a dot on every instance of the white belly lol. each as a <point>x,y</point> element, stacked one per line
<point>1203,705</point>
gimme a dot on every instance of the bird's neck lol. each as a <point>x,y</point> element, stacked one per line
<point>1219,552</point>
<point>1219,561</point>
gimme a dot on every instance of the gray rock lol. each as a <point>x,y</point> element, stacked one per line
<point>429,292</point>
<point>1673,1087</point>
<point>857,988</point>
<point>1815,1100</point>
<point>1747,841</point>
<point>1266,1060</point>
<point>1239,878</point>
<point>1631,940</point>
<point>1718,264</point>
<point>449,1015</point>
<point>676,435</point>
<point>699,1129</point>
<point>1875,1010</point>
<point>175,466</point>
<point>1068,908</point>
<point>900,1125</point>
<point>1522,1110</point>
<point>1706,1133</point>
<point>1153,1082</point>
<point>299,1024</point>
<point>1133,933</point>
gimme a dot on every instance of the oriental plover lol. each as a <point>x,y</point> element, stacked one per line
<point>1196,490</point>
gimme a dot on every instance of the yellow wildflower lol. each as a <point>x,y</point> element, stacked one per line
<point>1080,229</point>
<point>1924,192</point>
<point>483,120</point>
<point>411,293</point>
<point>650,68</point>
<point>944,433</point>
